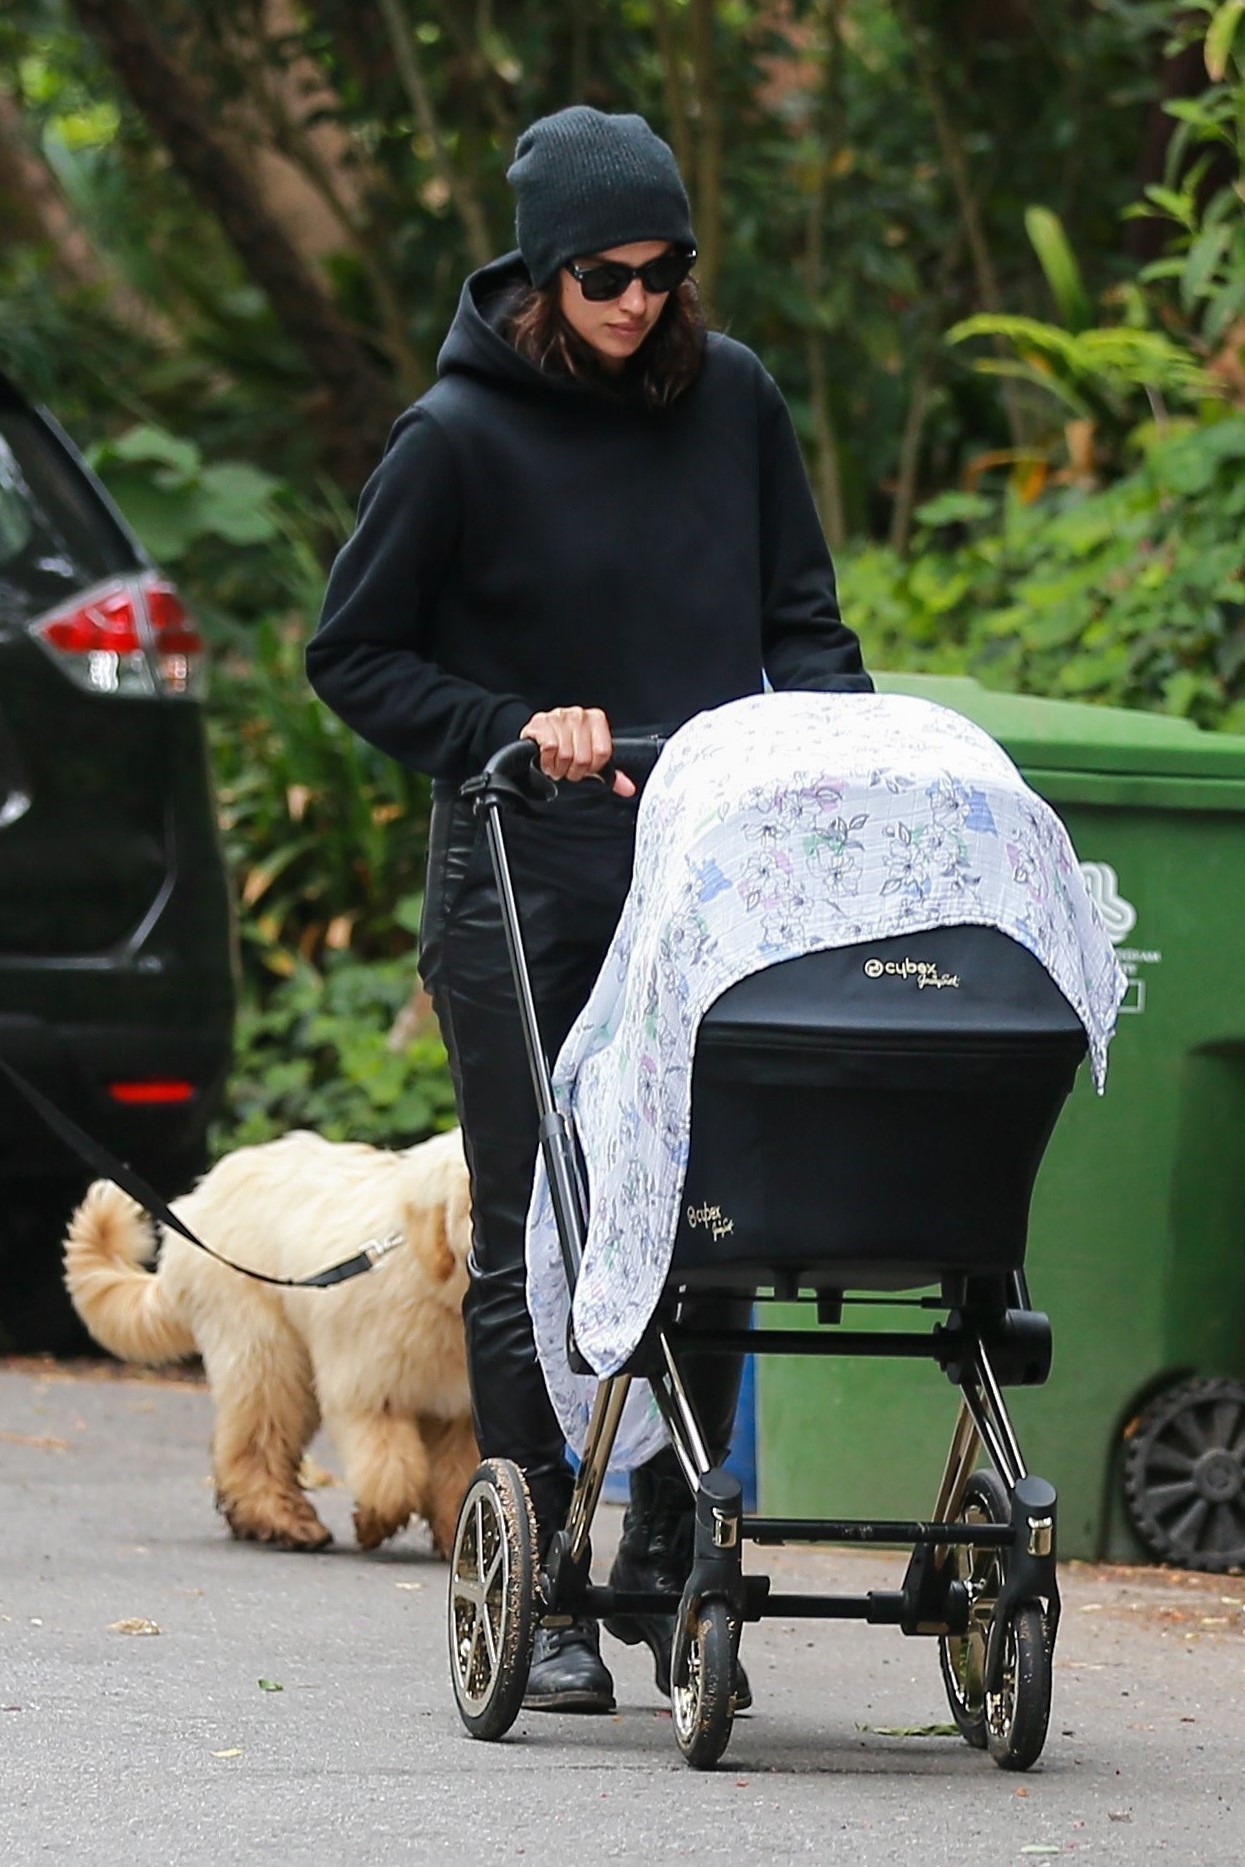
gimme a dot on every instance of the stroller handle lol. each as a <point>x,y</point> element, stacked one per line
<point>513,774</point>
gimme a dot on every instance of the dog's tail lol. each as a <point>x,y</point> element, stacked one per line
<point>125,1306</point>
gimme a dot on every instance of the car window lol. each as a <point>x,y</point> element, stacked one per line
<point>55,535</point>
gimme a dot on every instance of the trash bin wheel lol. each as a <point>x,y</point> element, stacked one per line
<point>703,1704</point>
<point>1018,1713</point>
<point>1184,1475</point>
<point>492,1599</point>
<point>962,1657</point>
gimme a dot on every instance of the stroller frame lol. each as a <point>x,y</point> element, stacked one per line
<point>981,1576</point>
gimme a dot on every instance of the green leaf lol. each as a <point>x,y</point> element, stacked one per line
<point>1178,207</point>
<point>235,503</point>
<point>157,444</point>
<point>271,1685</point>
<point>1055,256</point>
<point>954,509</point>
<point>409,911</point>
<point>166,518</point>
<point>1219,37</point>
<point>1203,259</point>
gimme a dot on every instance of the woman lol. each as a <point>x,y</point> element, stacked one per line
<point>596,521</point>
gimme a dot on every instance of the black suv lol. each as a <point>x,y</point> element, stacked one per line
<point>117,946</point>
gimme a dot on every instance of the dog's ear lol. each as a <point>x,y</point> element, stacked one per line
<point>426,1235</point>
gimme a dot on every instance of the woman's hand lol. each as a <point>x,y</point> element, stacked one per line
<point>575,743</point>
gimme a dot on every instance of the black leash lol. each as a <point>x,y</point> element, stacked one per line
<point>132,1183</point>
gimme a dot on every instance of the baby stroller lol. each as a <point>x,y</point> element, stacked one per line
<point>808,1077</point>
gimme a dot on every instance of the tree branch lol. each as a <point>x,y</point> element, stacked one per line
<point>460,190</point>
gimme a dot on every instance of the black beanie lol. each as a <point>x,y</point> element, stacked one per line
<point>586,182</point>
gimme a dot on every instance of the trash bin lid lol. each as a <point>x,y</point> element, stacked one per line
<point>1073,752</point>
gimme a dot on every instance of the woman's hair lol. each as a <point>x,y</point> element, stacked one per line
<point>665,365</point>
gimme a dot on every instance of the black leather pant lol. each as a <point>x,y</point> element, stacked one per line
<point>571,865</point>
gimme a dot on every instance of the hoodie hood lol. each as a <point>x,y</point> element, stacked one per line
<point>476,344</point>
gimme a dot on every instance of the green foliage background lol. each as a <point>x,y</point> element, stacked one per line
<point>994,253</point>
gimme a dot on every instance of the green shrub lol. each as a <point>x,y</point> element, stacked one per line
<point>1133,595</point>
<point>318,1053</point>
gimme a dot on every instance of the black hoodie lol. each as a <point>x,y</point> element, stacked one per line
<point>530,541</point>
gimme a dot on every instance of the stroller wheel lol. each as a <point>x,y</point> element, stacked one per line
<point>702,1705</point>
<point>963,1656</point>
<point>1018,1713</point>
<point>492,1601</point>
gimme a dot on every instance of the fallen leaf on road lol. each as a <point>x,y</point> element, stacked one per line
<point>134,1625</point>
<point>226,1753</point>
<point>271,1685</point>
<point>911,1730</point>
<point>42,1442</point>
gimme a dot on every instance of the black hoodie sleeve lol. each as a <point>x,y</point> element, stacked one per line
<point>805,642</point>
<point>370,658</point>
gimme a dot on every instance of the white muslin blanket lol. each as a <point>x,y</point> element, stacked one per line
<point>777,825</point>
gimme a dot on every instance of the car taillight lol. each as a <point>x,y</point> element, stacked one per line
<point>133,637</point>
<point>152,1090</point>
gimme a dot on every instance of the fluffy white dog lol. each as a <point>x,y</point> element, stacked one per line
<point>380,1358</point>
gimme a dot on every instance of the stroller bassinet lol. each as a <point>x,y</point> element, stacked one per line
<point>874,1116</point>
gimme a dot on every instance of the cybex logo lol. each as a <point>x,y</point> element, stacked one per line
<point>923,971</point>
<point>1119,916</point>
<point>712,1218</point>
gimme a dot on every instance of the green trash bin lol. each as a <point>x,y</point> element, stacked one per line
<point>1137,1241</point>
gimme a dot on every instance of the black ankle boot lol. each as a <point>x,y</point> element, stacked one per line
<point>568,1673</point>
<point>655,1557</point>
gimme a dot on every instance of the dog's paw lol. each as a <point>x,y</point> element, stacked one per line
<point>284,1529</point>
<point>372,1529</point>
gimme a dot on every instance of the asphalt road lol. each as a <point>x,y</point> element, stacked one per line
<point>154,1748</point>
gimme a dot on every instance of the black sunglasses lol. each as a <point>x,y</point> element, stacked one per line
<point>609,278</point>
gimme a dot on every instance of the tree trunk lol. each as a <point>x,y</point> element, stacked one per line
<point>678,123</point>
<point>362,403</point>
<point>310,174</point>
<point>970,212</point>
<point>826,130</point>
<point>41,213</point>
<point>900,534</point>
<point>708,221</point>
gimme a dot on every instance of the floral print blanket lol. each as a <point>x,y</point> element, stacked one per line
<point>778,825</point>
